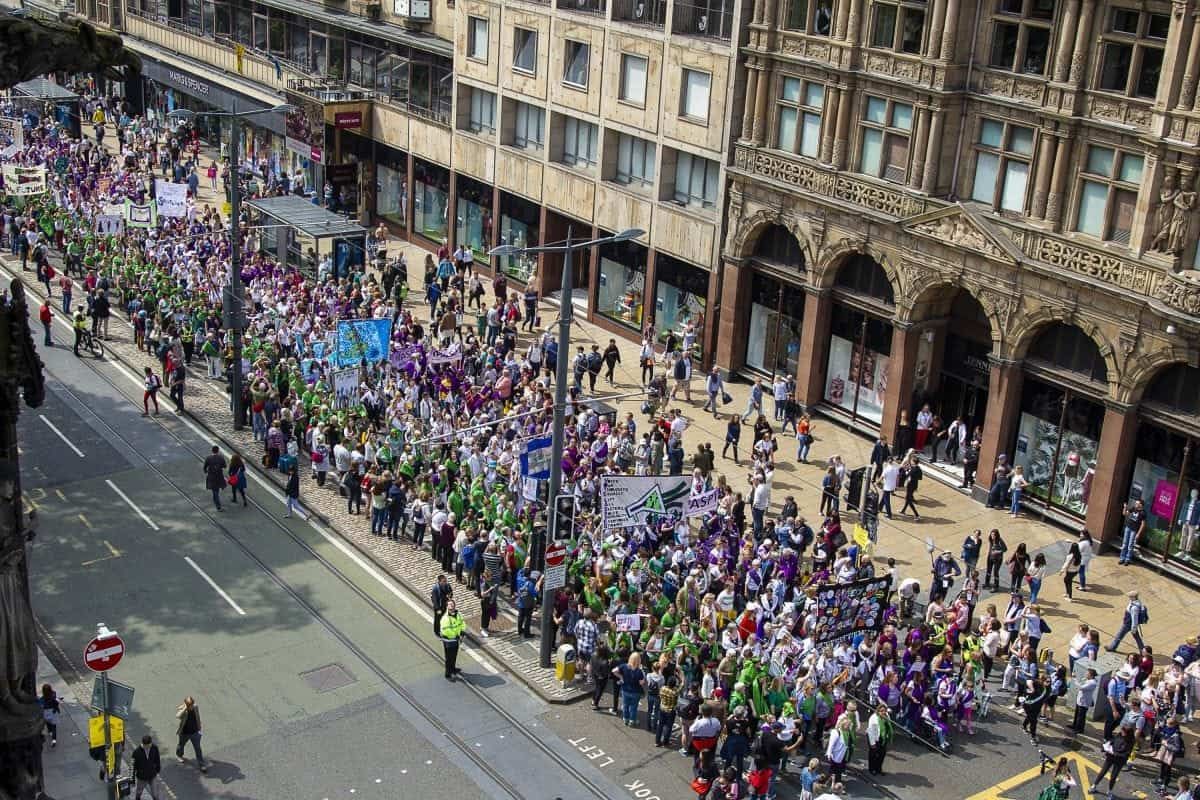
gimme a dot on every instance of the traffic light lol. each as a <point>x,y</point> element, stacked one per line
<point>564,513</point>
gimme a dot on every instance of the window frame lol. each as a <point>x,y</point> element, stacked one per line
<point>1025,20</point>
<point>476,123</point>
<point>1114,185</point>
<point>806,20</point>
<point>888,131</point>
<point>518,49</point>
<point>684,95</point>
<point>711,168</point>
<point>571,157</point>
<point>901,8</point>
<point>1004,155</point>
<point>522,140</point>
<point>1138,43</point>
<point>473,39</point>
<point>622,79</point>
<point>802,110</point>
<point>642,178</point>
<point>569,60</point>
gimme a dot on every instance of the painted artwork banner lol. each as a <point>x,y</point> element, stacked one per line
<point>171,198</point>
<point>24,181</point>
<point>845,609</point>
<point>110,224</point>
<point>141,216</point>
<point>627,500</point>
<point>345,388</point>
<point>363,338</point>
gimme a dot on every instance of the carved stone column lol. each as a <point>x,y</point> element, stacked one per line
<point>829,123</point>
<point>1187,92</point>
<point>761,111</point>
<point>841,20</point>
<point>916,177</point>
<point>950,33</point>
<point>1066,42</point>
<point>933,154</point>
<point>842,141</point>
<point>760,11</point>
<point>1058,182</point>
<point>1045,163</point>
<point>933,47</point>
<point>752,71</point>
<point>1079,53</point>
<point>854,24</point>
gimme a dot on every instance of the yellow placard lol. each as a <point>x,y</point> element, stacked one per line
<point>226,209</point>
<point>116,727</point>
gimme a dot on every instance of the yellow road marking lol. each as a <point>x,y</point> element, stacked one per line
<point>87,524</point>
<point>112,553</point>
<point>115,552</point>
<point>61,496</point>
<point>1082,766</point>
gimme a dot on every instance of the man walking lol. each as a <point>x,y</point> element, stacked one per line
<point>452,630</point>
<point>529,585</point>
<point>189,730</point>
<point>214,475</point>
<point>889,480</point>
<point>713,386</point>
<point>879,735</point>
<point>1136,615</point>
<point>440,596</point>
<point>1135,526</point>
<point>146,766</point>
<point>178,378</point>
<point>46,316</point>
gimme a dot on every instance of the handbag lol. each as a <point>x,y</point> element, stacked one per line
<point>232,480</point>
<point>700,786</point>
<point>726,398</point>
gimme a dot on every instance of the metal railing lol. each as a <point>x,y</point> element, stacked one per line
<point>712,19</point>
<point>583,6</point>
<point>641,12</point>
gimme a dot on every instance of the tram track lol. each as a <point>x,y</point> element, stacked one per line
<point>428,714</point>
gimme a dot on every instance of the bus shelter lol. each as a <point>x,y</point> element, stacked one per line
<point>43,97</point>
<point>301,234</point>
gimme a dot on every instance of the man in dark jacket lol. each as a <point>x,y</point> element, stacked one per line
<point>439,596</point>
<point>214,475</point>
<point>880,454</point>
<point>146,766</point>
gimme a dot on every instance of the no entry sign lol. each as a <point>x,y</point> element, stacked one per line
<point>556,554</point>
<point>104,652</point>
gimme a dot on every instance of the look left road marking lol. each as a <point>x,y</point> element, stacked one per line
<point>213,584</point>
<point>60,435</point>
<point>132,504</point>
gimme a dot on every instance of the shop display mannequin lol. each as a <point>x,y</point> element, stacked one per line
<point>1189,518</point>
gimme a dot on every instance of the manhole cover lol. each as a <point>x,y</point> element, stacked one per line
<point>328,678</point>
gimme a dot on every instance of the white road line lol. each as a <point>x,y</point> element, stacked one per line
<point>131,504</point>
<point>213,584</point>
<point>60,435</point>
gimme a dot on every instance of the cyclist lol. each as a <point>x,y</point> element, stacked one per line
<point>80,324</point>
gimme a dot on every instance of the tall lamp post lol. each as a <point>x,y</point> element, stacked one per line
<point>562,368</point>
<point>236,305</point>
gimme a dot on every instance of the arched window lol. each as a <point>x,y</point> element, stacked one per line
<point>1069,348</point>
<point>777,245</point>
<point>862,275</point>
<point>1176,389</point>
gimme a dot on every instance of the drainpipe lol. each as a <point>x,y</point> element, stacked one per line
<point>962,127</point>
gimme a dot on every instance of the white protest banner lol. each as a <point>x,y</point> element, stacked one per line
<point>12,132</point>
<point>700,504</point>
<point>628,623</point>
<point>110,224</point>
<point>345,387</point>
<point>10,151</point>
<point>171,197</point>
<point>24,181</point>
<point>627,500</point>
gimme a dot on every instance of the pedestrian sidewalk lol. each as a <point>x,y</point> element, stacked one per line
<point>70,773</point>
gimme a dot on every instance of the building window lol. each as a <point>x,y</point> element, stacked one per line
<point>812,16</point>
<point>483,112</point>
<point>799,126</point>
<point>579,143</point>
<point>1133,52</point>
<point>477,38</point>
<point>1003,153</point>
<point>633,79</point>
<point>1108,191</point>
<point>635,161</point>
<point>898,26</point>
<point>886,126</point>
<point>1021,31</point>
<point>525,50</point>
<point>575,69</point>
<point>696,180</point>
<point>528,126</point>
<point>694,101</point>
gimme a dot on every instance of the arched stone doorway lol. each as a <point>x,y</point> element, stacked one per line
<point>858,352</point>
<point>776,313</point>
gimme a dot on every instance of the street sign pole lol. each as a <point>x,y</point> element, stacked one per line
<point>110,786</point>
<point>102,654</point>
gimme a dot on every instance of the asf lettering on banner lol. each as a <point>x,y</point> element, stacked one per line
<point>627,501</point>
<point>700,504</point>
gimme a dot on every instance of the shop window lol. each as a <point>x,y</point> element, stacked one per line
<point>1002,156</point>
<point>519,227</point>
<point>862,275</point>
<point>1108,191</point>
<point>528,126</point>
<point>1021,34</point>
<point>1058,445</point>
<point>800,106</point>
<point>1067,347</point>
<point>1175,389</point>
<point>525,43</point>
<point>680,301</point>
<point>776,324</point>
<point>693,103</point>
<point>579,143</point>
<point>898,26</point>
<point>477,39</point>
<point>1166,478</point>
<point>575,64</point>
<point>621,293</point>
<point>696,181</point>
<point>473,212</point>
<point>1132,53</point>
<point>811,16</point>
<point>633,79</point>
<point>431,200</point>
<point>856,373</point>
<point>886,125</point>
<point>635,161</point>
<point>777,245</point>
<point>391,186</point>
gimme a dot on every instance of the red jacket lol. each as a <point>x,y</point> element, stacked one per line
<point>44,314</point>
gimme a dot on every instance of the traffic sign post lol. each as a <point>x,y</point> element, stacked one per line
<point>556,566</point>
<point>102,654</point>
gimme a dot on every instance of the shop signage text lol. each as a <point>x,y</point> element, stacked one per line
<point>188,82</point>
<point>347,119</point>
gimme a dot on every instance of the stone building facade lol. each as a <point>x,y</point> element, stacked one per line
<point>988,208</point>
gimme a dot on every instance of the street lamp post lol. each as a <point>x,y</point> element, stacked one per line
<point>562,368</point>
<point>236,305</point>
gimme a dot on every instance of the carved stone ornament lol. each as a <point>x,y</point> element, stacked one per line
<point>999,306</point>
<point>1181,292</point>
<point>918,276</point>
<point>957,230</point>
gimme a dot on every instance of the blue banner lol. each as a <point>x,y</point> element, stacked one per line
<point>535,461</point>
<point>359,339</point>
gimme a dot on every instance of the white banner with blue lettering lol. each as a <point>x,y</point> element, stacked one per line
<point>535,461</point>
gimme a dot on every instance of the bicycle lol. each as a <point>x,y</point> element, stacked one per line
<point>91,344</point>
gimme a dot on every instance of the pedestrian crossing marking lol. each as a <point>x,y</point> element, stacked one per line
<point>1084,768</point>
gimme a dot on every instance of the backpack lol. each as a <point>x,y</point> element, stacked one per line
<point>1143,614</point>
<point>680,370</point>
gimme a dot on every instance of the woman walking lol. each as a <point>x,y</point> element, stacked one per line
<point>293,490</point>
<point>237,478</point>
<point>1017,486</point>
<point>995,558</point>
<point>633,685</point>
<point>1070,569</point>
<point>733,434</point>
<point>1037,574</point>
<point>1086,551</point>
<point>1116,755</point>
<point>1018,565</point>
<point>50,711</point>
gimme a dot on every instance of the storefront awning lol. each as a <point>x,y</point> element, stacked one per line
<point>310,220</point>
<point>44,89</point>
